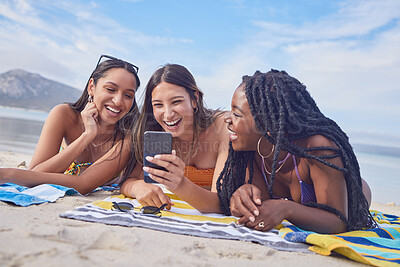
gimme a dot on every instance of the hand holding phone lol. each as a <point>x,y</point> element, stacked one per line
<point>155,143</point>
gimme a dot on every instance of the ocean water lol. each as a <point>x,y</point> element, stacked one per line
<point>378,154</point>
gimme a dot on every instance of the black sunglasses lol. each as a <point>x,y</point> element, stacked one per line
<point>125,207</point>
<point>136,68</point>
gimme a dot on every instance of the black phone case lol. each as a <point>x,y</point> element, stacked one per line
<point>155,143</point>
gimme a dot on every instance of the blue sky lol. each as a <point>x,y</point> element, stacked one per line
<point>347,52</point>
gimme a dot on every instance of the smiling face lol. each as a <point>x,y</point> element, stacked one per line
<point>113,94</point>
<point>242,129</point>
<point>173,109</point>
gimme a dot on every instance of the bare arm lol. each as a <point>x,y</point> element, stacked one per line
<point>330,189</point>
<point>146,193</point>
<point>102,171</point>
<point>203,200</point>
<point>59,122</point>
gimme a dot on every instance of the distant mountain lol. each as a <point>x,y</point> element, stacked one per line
<point>19,88</point>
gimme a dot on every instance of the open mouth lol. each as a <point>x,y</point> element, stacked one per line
<point>113,110</point>
<point>232,135</point>
<point>173,124</point>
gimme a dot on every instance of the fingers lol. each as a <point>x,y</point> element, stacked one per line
<point>152,195</point>
<point>256,192</point>
<point>239,207</point>
<point>260,225</point>
<point>172,158</point>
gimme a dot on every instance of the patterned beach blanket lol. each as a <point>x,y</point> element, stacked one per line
<point>377,247</point>
<point>181,219</point>
<point>25,196</point>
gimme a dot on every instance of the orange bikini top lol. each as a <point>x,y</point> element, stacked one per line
<point>201,177</point>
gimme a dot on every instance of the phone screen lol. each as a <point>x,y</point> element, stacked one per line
<point>155,143</point>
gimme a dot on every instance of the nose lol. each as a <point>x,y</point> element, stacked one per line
<point>168,112</point>
<point>227,117</point>
<point>117,99</point>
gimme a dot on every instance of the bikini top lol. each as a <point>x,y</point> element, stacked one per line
<point>77,168</point>
<point>307,190</point>
<point>200,177</point>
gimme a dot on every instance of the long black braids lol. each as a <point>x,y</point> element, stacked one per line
<point>284,111</point>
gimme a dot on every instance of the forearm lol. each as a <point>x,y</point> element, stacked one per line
<point>201,199</point>
<point>313,219</point>
<point>31,178</point>
<point>61,161</point>
<point>127,188</point>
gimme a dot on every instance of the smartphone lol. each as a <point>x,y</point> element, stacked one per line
<point>155,143</point>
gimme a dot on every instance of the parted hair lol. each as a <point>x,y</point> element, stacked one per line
<point>125,125</point>
<point>284,111</point>
<point>178,75</point>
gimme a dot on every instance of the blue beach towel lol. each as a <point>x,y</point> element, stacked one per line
<point>25,196</point>
<point>377,247</point>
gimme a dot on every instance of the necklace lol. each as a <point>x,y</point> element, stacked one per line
<point>280,162</point>
<point>102,143</point>
<point>264,157</point>
<point>188,155</point>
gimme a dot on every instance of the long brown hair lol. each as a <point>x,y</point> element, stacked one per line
<point>125,125</point>
<point>178,75</point>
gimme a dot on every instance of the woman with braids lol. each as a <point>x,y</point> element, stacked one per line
<point>288,161</point>
<point>94,133</point>
<point>173,103</point>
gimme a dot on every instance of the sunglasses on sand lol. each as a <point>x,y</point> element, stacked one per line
<point>125,207</point>
<point>102,57</point>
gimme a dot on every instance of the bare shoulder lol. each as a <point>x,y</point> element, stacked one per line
<point>319,141</point>
<point>221,129</point>
<point>65,114</point>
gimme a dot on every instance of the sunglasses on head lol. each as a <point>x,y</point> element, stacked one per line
<point>126,206</point>
<point>136,68</point>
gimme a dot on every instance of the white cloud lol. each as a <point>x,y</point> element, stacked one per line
<point>349,61</point>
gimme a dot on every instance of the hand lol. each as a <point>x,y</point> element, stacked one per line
<point>89,115</point>
<point>244,203</point>
<point>151,195</point>
<point>272,213</point>
<point>175,166</point>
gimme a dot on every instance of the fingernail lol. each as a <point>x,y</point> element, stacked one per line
<point>148,158</point>
<point>251,218</point>
<point>157,156</point>
<point>256,212</point>
<point>146,169</point>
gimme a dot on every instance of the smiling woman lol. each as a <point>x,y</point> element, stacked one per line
<point>93,133</point>
<point>288,161</point>
<point>173,103</point>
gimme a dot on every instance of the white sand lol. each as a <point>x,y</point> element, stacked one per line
<point>37,236</point>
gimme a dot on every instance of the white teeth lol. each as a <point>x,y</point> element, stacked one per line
<point>170,123</point>
<point>230,131</point>
<point>113,110</point>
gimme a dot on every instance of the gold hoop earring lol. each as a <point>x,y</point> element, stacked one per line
<point>195,110</point>
<point>258,149</point>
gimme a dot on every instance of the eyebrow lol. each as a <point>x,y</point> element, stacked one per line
<point>172,98</point>
<point>236,107</point>
<point>116,85</point>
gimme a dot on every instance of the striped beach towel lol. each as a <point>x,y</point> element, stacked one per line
<point>181,219</point>
<point>377,247</point>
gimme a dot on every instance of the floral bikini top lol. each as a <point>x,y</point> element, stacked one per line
<point>307,190</point>
<point>78,168</point>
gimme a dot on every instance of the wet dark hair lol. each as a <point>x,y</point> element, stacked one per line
<point>282,106</point>
<point>124,126</point>
<point>178,75</point>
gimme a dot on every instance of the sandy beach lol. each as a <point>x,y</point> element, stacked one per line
<point>37,236</point>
